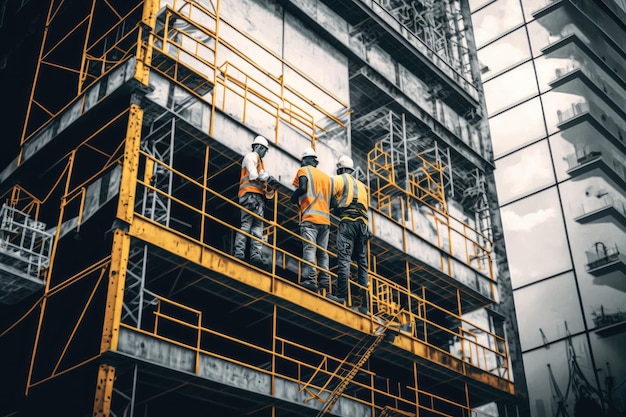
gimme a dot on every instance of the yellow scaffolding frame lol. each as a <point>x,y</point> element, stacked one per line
<point>145,42</point>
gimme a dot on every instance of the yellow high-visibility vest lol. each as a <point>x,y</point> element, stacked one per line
<point>351,196</point>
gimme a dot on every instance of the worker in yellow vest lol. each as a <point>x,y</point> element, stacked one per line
<point>350,202</point>
<point>312,196</point>
<point>253,185</point>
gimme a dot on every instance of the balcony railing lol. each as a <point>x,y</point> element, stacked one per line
<point>25,248</point>
<point>594,208</point>
<point>602,259</point>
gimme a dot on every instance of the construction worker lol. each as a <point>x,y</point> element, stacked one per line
<point>350,202</point>
<point>312,196</point>
<point>253,184</point>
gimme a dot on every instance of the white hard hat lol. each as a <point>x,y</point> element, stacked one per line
<point>308,152</point>
<point>345,162</point>
<point>260,140</point>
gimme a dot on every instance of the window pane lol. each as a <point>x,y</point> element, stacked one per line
<point>531,6</point>
<point>535,238</point>
<point>523,172</point>
<point>504,53</point>
<point>496,19</point>
<point>539,36</point>
<point>581,144</point>
<point>541,314</point>
<point>595,195</point>
<point>609,352</point>
<point>475,4</point>
<point>560,107</point>
<point>549,69</point>
<point>510,88</point>
<point>516,127</point>
<point>538,374</point>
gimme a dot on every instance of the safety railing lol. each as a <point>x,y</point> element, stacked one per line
<point>252,89</point>
<point>283,254</point>
<point>395,203</point>
<point>311,370</point>
<point>594,205</point>
<point>25,241</point>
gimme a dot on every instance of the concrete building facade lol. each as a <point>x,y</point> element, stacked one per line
<point>120,291</point>
<point>554,75</point>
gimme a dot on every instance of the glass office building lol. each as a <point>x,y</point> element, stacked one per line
<point>554,76</point>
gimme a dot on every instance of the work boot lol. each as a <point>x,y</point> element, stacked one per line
<point>309,285</point>
<point>335,298</point>
<point>258,262</point>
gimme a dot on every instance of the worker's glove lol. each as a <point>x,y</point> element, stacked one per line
<point>271,181</point>
<point>294,199</point>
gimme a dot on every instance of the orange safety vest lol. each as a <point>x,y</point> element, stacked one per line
<point>315,204</point>
<point>248,186</point>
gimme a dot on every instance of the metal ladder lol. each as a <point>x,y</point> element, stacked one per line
<point>361,352</point>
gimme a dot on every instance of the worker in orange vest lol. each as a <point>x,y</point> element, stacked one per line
<point>312,196</point>
<point>350,202</point>
<point>253,185</point>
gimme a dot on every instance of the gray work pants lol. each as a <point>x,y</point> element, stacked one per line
<point>315,234</point>
<point>252,225</point>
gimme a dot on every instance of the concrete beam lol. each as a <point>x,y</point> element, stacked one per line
<point>212,369</point>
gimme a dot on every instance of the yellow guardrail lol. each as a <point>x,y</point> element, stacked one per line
<point>282,245</point>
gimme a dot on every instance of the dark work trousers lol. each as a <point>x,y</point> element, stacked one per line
<point>352,242</point>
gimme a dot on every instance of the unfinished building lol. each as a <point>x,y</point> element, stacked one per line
<point>120,211</point>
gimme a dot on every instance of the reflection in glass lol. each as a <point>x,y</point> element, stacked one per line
<point>510,88</point>
<point>560,107</point>
<point>534,233</point>
<point>504,53</point>
<point>531,6</point>
<point>539,37</point>
<point>496,19</point>
<point>561,147</point>
<point>542,314</point>
<point>475,4</point>
<point>548,372</point>
<point>523,172</point>
<point>550,68</point>
<point>516,127</point>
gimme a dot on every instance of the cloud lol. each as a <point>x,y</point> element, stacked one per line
<point>514,222</point>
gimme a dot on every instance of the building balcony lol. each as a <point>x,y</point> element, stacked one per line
<point>608,324</point>
<point>585,112</point>
<point>602,260</point>
<point>590,157</point>
<point>25,248</point>
<point>577,79</point>
<point>601,208</point>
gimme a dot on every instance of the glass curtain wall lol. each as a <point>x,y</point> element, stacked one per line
<point>554,75</point>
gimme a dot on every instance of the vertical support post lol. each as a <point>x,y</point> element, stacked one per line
<point>82,76</point>
<point>215,71</point>
<point>115,293</point>
<point>113,311</point>
<point>104,391</point>
<point>205,186</point>
<point>128,181</point>
<point>406,156</point>
<point>274,334</point>
<point>145,41</point>
<point>417,395</point>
